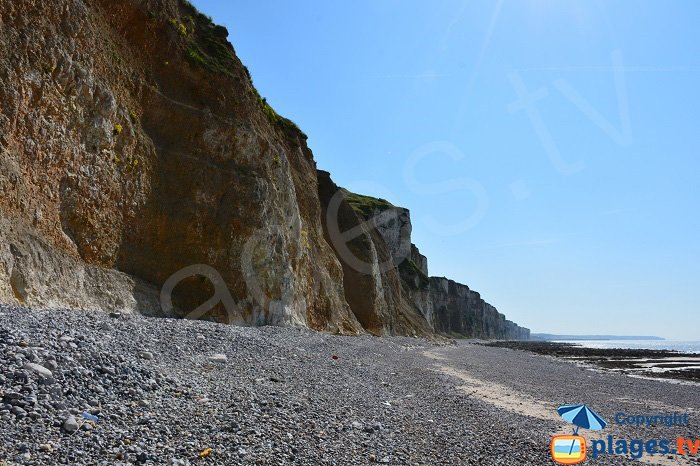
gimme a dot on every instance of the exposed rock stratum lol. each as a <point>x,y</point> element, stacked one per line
<point>134,145</point>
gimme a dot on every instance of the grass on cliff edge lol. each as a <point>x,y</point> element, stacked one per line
<point>209,48</point>
<point>366,205</point>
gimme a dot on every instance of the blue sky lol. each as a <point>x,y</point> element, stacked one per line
<point>575,213</point>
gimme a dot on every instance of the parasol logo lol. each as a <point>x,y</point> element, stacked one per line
<point>571,449</point>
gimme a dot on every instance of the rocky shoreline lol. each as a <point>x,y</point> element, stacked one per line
<point>663,364</point>
<point>83,387</point>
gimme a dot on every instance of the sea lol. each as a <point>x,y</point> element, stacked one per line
<point>683,346</point>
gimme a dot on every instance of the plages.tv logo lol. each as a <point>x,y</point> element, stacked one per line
<point>571,449</point>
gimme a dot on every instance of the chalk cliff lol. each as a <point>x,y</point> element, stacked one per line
<point>134,145</point>
<point>135,153</point>
<point>386,277</point>
<point>370,238</point>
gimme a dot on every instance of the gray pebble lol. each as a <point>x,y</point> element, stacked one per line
<point>218,358</point>
<point>70,424</point>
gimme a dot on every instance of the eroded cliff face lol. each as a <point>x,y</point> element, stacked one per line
<point>136,156</point>
<point>454,308</point>
<point>372,239</point>
<point>133,144</point>
<point>369,241</point>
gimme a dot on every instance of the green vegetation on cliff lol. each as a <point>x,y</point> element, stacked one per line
<point>209,48</point>
<point>207,43</point>
<point>366,205</point>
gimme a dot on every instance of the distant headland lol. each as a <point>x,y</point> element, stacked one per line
<point>553,337</point>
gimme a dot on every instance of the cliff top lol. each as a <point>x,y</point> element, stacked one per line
<point>207,46</point>
<point>366,205</point>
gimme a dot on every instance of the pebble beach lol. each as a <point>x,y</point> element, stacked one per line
<point>91,388</point>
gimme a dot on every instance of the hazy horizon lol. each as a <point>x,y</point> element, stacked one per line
<point>545,149</point>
